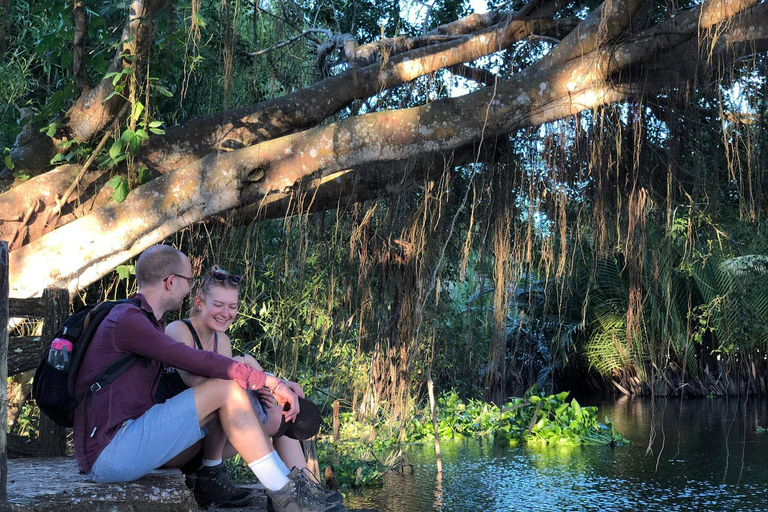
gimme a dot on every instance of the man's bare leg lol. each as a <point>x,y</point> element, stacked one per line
<point>233,406</point>
<point>242,427</point>
<point>214,442</point>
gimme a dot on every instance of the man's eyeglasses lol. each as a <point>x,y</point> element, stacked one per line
<point>222,275</point>
<point>190,280</point>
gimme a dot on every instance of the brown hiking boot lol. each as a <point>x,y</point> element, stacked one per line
<point>297,496</point>
<point>319,490</point>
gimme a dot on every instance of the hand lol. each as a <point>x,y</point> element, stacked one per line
<point>294,386</point>
<point>285,396</point>
<point>266,397</point>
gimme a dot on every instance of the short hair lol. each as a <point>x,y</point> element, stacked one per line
<point>158,262</point>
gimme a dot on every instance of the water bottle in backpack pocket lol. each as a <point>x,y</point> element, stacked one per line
<point>60,354</point>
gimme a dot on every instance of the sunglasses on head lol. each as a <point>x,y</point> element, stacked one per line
<point>222,276</point>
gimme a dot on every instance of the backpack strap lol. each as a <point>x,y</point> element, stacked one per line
<point>110,374</point>
<point>91,324</point>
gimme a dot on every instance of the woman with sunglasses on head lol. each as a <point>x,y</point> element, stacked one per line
<point>214,309</point>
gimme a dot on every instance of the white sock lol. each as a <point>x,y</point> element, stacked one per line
<point>209,463</point>
<point>270,471</point>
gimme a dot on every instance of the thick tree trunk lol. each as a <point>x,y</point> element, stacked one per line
<point>78,253</point>
<point>188,142</point>
<point>78,46</point>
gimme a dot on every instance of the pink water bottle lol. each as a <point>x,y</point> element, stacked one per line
<point>60,353</point>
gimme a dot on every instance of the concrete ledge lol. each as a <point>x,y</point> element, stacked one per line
<point>54,485</point>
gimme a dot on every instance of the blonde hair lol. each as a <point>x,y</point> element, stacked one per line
<point>211,279</point>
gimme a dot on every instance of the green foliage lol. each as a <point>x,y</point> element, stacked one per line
<point>28,422</point>
<point>120,186</point>
<point>125,271</point>
<point>366,451</point>
<point>735,292</point>
<point>534,418</point>
<point>354,464</point>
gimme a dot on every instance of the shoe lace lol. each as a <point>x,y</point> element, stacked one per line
<point>311,480</point>
<point>221,478</point>
<point>304,491</point>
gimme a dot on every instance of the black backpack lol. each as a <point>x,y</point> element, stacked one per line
<point>53,389</point>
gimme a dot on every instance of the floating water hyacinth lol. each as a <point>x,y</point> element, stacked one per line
<point>534,418</point>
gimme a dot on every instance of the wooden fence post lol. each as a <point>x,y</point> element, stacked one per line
<point>53,438</point>
<point>310,452</point>
<point>335,421</point>
<point>4,290</point>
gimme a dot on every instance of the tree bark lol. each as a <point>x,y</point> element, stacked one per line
<point>4,317</point>
<point>223,181</point>
<point>78,46</point>
<point>191,141</point>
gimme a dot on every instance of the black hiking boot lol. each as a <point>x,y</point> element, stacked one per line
<point>213,486</point>
<point>297,496</point>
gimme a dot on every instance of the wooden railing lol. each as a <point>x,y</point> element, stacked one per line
<point>4,288</point>
<point>22,353</point>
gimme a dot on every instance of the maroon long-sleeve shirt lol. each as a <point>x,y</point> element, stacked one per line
<point>126,330</point>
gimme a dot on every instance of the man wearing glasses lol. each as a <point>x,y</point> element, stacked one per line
<point>120,433</point>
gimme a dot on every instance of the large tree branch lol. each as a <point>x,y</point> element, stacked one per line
<point>602,26</point>
<point>223,181</point>
<point>191,141</point>
<point>329,191</point>
<point>264,121</point>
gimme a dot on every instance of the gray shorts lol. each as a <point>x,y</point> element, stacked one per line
<point>150,440</point>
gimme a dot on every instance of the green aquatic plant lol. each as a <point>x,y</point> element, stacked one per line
<point>366,452</point>
<point>534,418</point>
<point>355,464</point>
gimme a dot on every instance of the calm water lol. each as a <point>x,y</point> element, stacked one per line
<point>705,456</point>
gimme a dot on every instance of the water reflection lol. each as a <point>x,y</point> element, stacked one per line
<point>690,455</point>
